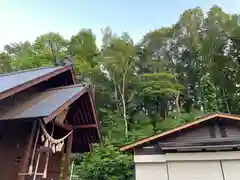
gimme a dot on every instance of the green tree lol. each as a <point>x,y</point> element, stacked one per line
<point>173,75</point>
<point>209,92</point>
<point>106,163</point>
<point>118,61</point>
<point>5,63</point>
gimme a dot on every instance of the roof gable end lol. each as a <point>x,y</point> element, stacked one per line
<point>190,125</point>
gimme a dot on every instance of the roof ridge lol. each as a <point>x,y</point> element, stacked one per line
<point>27,70</point>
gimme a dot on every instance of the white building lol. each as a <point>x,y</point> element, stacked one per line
<point>206,149</point>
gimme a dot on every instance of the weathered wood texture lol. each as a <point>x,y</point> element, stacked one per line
<point>67,157</point>
<point>14,138</point>
<point>13,142</point>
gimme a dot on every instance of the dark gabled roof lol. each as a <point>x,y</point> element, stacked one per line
<point>140,143</point>
<point>12,83</point>
<point>44,104</point>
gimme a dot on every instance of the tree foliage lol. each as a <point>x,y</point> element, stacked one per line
<point>106,163</point>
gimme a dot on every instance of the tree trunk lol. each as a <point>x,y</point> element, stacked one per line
<point>177,102</point>
<point>124,104</point>
<point>116,93</point>
<point>226,101</point>
<point>125,115</point>
<point>116,97</point>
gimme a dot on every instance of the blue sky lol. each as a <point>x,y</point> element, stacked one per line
<point>22,20</point>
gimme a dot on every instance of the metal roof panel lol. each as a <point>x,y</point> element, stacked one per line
<point>43,104</point>
<point>11,80</point>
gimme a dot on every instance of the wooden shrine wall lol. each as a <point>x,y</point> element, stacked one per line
<point>13,139</point>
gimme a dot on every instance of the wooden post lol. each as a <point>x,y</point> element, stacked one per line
<point>67,157</point>
<point>24,166</point>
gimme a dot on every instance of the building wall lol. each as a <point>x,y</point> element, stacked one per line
<point>231,169</point>
<point>12,146</point>
<point>53,171</point>
<point>13,142</point>
<point>151,171</point>
<point>188,166</point>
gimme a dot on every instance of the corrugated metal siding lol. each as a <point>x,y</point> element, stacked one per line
<point>41,104</point>
<point>11,80</point>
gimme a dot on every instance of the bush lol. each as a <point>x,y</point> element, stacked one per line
<point>106,163</point>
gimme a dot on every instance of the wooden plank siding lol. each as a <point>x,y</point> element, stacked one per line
<point>13,144</point>
<point>188,126</point>
<point>220,134</point>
